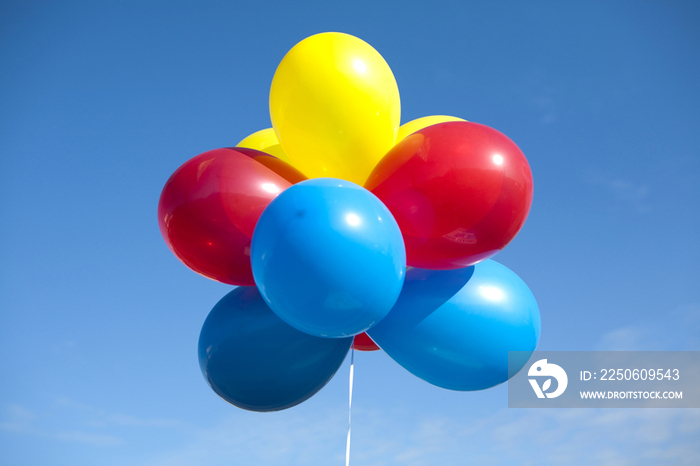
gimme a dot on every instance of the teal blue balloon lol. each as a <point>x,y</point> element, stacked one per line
<point>255,361</point>
<point>454,328</point>
<point>328,257</point>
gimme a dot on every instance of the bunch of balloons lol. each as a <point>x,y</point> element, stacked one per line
<point>339,225</point>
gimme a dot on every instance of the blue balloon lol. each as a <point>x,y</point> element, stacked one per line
<point>454,328</point>
<point>328,257</point>
<point>253,360</point>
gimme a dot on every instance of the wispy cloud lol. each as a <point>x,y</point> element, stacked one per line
<point>93,426</point>
<point>309,435</point>
<point>509,436</point>
<point>624,339</point>
<point>287,437</point>
<point>546,105</point>
<point>544,98</point>
<point>17,419</point>
<point>674,330</point>
<point>89,438</point>
<point>126,420</point>
<point>623,191</point>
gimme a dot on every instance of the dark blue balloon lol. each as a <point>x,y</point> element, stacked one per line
<point>255,361</point>
<point>454,328</point>
<point>328,257</point>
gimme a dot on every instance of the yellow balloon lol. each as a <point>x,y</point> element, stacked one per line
<point>259,140</point>
<point>265,140</point>
<point>335,106</point>
<point>423,122</point>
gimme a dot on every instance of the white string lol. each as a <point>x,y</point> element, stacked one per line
<point>352,371</point>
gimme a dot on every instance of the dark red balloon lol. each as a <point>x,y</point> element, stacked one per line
<point>209,207</point>
<point>460,192</point>
<point>363,342</point>
<point>278,166</point>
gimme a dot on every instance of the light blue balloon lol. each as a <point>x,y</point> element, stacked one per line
<point>328,257</point>
<point>454,328</point>
<point>253,360</point>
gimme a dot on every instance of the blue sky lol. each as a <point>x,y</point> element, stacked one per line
<point>101,101</point>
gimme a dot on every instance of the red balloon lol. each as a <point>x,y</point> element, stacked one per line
<point>209,207</point>
<point>278,166</point>
<point>459,191</point>
<point>363,342</point>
